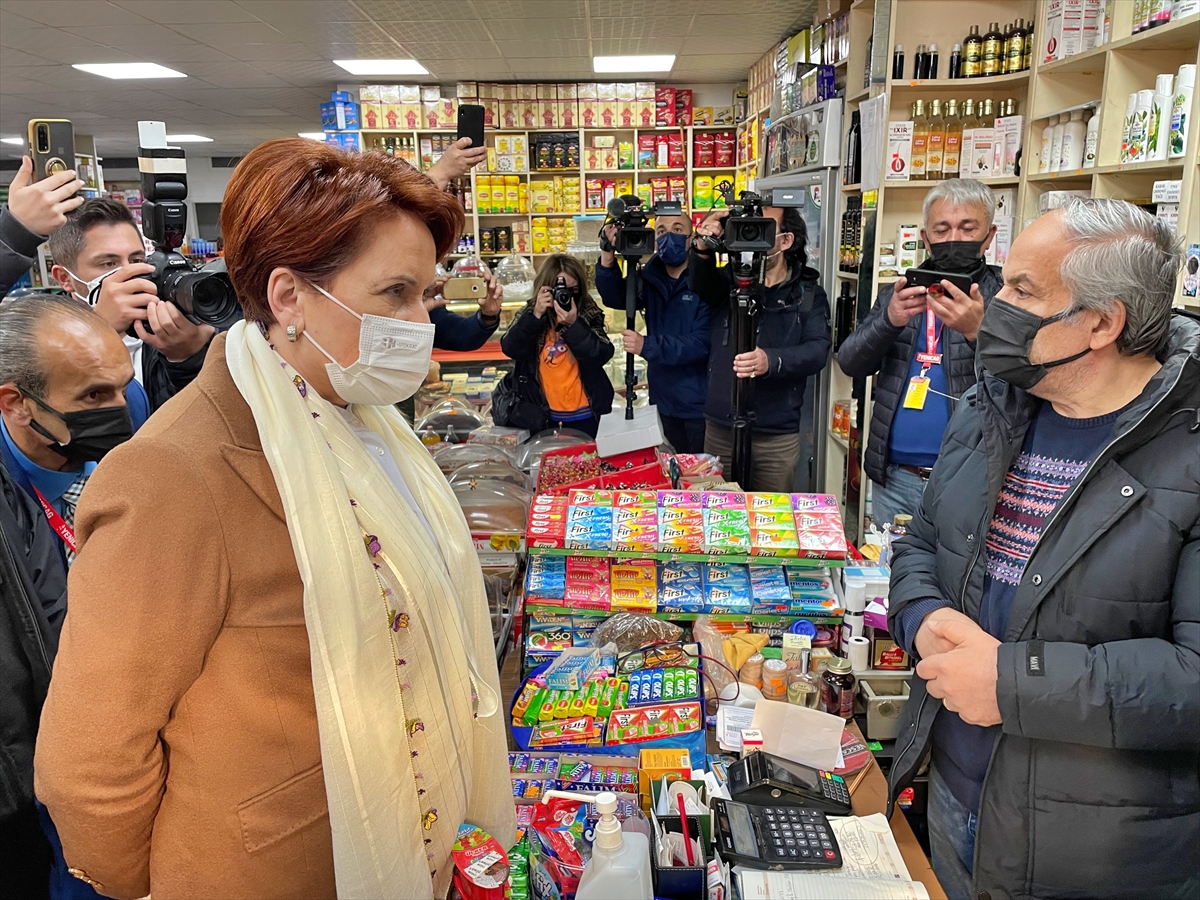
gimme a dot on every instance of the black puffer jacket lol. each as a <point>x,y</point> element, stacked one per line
<point>793,330</point>
<point>878,346</point>
<point>32,582</point>
<point>522,343</point>
<point>1093,789</point>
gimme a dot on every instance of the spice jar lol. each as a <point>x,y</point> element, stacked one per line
<point>837,688</point>
<point>751,671</point>
<point>774,673</point>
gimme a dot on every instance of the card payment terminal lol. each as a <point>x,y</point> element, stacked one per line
<point>766,780</point>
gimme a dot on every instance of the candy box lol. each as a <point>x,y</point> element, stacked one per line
<point>551,536</point>
<point>640,536</point>
<point>587,596</point>
<point>685,538</point>
<point>681,516</point>
<point>544,581</point>
<point>548,503</point>
<point>581,730</point>
<point>681,597</point>
<point>822,545</point>
<point>812,502</point>
<point>638,572</point>
<point>726,538</point>
<point>649,723</point>
<point>587,568</point>
<point>572,669</point>
<point>724,500</point>
<point>824,520</point>
<point>634,599</point>
<point>591,498</point>
<point>681,499</point>
<point>756,501</point>
<point>773,518</point>
<point>635,499</point>
<point>774,542</point>
<point>635,515</point>
<point>768,584</point>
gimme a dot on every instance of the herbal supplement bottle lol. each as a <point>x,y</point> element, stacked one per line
<point>972,66</point>
<point>993,50</point>
<point>837,688</point>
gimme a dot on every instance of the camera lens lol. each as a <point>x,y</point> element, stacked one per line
<point>206,296</point>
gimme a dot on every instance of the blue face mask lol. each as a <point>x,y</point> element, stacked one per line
<point>672,248</point>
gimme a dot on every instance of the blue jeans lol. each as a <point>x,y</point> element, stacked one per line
<point>951,839</point>
<point>902,494</point>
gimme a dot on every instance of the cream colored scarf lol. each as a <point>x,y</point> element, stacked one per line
<point>372,578</point>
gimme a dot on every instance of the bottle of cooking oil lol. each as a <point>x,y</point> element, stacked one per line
<point>953,142</point>
<point>936,144</point>
<point>920,144</point>
<point>968,138</point>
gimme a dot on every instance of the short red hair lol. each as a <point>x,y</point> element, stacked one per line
<point>309,207</point>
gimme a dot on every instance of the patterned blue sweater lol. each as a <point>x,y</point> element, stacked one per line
<point>1054,455</point>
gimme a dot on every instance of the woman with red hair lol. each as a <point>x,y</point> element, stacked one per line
<point>277,675</point>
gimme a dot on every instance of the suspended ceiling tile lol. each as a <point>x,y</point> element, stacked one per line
<point>536,30</point>
<point>187,11</point>
<point>217,34</point>
<point>468,51</point>
<point>414,10</point>
<point>530,9</point>
<point>638,27</point>
<point>319,33</point>
<point>304,10</point>
<point>635,46</point>
<point>698,44</point>
<point>133,38</point>
<point>524,50</point>
<point>430,31</point>
<point>65,13</point>
<point>272,52</point>
<point>14,58</point>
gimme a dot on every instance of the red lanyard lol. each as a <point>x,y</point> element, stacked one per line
<point>930,357</point>
<point>57,522</point>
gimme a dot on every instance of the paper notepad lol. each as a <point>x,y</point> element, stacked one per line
<point>872,869</point>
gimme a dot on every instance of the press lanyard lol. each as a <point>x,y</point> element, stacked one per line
<point>57,522</point>
<point>930,357</point>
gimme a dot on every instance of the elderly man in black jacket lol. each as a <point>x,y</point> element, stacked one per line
<point>1050,582</point>
<point>922,346</point>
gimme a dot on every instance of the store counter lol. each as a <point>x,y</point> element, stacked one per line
<point>870,796</point>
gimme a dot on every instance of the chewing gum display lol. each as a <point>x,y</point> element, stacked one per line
<point>635,528</point>
<point>811,502</point>
<point>635,500</point>
<point>768,584</point>
<point>822,545</point>
<point>681,538</point>
<point>724,500</point>
<point>650,723</point>
<point>583,730</point>
<point>579,498</point>
<point>761,502</point>
<point>680,500</point>
<point>773,518</point>
<point>589,528</point>
<point>634,585</point>
<point>818,521</point>
<point>727,588</point>
<point>680,587</point>
<point>728,535</point>
<point>777,542</point>
<point>572,669</point>
<point>546,578</point>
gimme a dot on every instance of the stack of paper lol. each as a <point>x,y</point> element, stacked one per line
<point>872,869</point>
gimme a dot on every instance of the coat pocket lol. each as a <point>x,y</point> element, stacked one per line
<point>283,810</point>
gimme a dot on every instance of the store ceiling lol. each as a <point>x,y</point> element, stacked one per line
<point>258,69</point>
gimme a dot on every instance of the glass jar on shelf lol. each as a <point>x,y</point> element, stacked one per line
<point>515,274</point>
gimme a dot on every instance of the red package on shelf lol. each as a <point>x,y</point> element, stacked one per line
<point>664,107</point>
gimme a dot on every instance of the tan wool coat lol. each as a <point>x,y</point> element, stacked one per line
<point>179,752</point>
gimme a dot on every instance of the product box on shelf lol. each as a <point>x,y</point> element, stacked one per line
<point>899,151</point>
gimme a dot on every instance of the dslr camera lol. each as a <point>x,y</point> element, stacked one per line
<point>745,229</point>
<point>635,238</point>
<point>563,295</point>
<point>204,294</point>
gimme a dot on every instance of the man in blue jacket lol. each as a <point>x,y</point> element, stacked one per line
<point>675,345</point>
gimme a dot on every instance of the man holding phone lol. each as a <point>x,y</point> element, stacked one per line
<point>920,341</point>
<point>35,210</point>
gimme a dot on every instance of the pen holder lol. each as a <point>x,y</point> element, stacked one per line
<point>679,882</point>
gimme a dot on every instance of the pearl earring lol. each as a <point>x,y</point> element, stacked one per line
<point>291,333</point>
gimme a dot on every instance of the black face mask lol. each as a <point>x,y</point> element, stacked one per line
<point>93,432</point>
<point>957,256</point>
<point>1005,338</point>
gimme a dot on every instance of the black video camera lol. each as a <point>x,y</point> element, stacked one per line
<point>563,295</point>
<point>635,237</point>
<point>204,294</point>
<point>746,229</point>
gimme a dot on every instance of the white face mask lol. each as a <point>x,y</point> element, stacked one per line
<point>393,359</point>
<point>92,287</point>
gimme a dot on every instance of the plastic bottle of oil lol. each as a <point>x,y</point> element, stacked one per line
<point>920,144</point>
<point>936,144</point>
<point>953,145</point>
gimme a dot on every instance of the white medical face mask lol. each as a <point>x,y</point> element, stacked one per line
<point>393,359</point>
<point>92,287</point>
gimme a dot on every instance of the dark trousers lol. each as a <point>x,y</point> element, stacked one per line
<point>25,856</point>
<point>685,435</point>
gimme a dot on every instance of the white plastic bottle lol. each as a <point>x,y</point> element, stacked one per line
<point>1139,128</point>
<point>620,865</point>
<point>1127,124</point>
<point>1072,143</point>
<point>1091,141</point>
<point>1056,144</point>
<point>1160,117</point>
<point>1181,107</point>
<point>1047,142</point>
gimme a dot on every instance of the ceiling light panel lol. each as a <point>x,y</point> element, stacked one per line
<point>381,66</point>
<point>128,70</point>
<point>602,64</point>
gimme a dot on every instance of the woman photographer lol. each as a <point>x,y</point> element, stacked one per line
<point>793,343</point>
<point>293,692</point>
<point>560,348</point>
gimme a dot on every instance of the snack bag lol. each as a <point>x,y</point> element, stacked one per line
<point>480,864</point>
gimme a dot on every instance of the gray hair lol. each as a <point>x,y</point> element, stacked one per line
<point>960,192</point>
<point>1120,253</point>
<point>21,320</point>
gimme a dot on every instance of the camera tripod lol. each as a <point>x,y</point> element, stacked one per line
<point>748,270</point>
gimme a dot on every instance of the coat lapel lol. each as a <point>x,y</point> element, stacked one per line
<point>244,452</point>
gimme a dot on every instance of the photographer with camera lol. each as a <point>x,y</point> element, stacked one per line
<point>675,345</point>
<point>793,343</point>
<point>560,348</point>
<point>100,259</point>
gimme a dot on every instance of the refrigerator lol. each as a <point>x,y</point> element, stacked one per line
<point>801,167</point>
